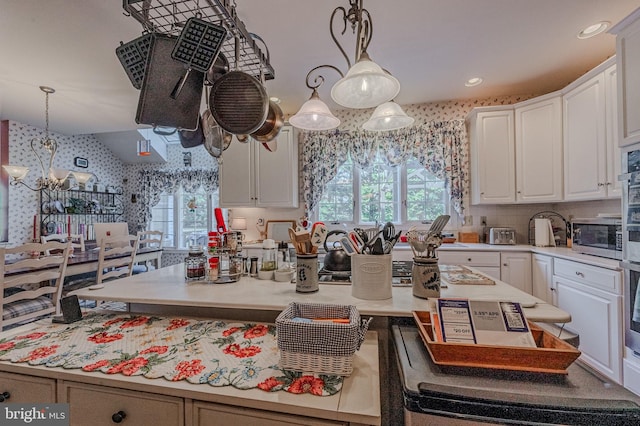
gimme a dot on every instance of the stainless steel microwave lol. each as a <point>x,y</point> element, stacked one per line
<point>601,236</point>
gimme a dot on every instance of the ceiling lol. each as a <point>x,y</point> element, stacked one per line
<point>432,46</point>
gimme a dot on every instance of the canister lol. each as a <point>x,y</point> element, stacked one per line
<point>269,255</point>
<point>195,264</point>
<point>425,277</point>
<point>307,273</point>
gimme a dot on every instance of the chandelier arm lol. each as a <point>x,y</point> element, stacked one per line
<point>15,182</point>
<point>319,78</point>
<point>44,176</point>
<point>333,36</point>
<point>367,31</point>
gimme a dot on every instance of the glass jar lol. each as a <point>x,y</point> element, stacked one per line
<point>195,264</point>
<point>269,255</point>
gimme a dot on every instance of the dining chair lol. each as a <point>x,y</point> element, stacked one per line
<point>77,240</point>
<point>148,239</point>
<point>116,257</point>
<point>31,281</point>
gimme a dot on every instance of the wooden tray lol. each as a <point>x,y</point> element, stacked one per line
<point>551,356</point>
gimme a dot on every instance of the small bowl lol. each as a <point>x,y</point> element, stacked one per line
<point>283,276</point>
<point>265,275</point>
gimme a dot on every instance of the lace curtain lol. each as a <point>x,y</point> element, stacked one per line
<point>154,183</point>
<point>440,146</point>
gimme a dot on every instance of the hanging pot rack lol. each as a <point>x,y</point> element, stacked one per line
<point>170,16</point>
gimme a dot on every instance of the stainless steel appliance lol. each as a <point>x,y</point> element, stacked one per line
<point>601,236</point>
<point>631,248</point>
<point>502,236</point>
<point>400,275</point>
<point>428,394</point>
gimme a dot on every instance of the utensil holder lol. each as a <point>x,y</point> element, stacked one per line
<point>371,276</point>
<point>425,277</point>
<point>306,273</point>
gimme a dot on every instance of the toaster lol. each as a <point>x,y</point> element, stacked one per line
<point>502,236</point>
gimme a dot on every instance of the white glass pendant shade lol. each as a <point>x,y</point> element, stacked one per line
<point>58,174</point>
<point>16,172</point>
<point>82,177</point>
<point>314,115</point>
<point>388,116</point>
<point>366,85</point>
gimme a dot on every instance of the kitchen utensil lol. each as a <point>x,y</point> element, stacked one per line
<point>388,231</point>
<point>271,126</point>
<point>220,225</point>
<point>197,47</point>
<point>155,105</point>
<point>239,103</point>
<point>438,225</point>
<point>219,68</point>
<point>356,241</point>
<point>336,259</point>
<point>192,138</point>
<point>212,135</point>
<point>318,234</point>
<point>348,246</point>
<point>133,57</point>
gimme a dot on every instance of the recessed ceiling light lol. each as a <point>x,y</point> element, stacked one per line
<point>473,81</point>
<point>593,30</point>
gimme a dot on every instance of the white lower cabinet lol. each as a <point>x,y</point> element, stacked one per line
<point>631,371</point>
<point>515,270</point>
<point>542,277</point>
<point>484,261</point>
<point>20,388</point>
<point>102,405</point>
<point>593,297</point>
<point>207,414</point>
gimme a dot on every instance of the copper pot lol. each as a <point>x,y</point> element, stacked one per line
<point>272,124</point>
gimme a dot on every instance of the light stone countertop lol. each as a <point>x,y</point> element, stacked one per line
<point>167,287</point>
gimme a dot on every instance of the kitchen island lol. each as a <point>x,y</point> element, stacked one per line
<point>165,290</point>
<point>365,397</point>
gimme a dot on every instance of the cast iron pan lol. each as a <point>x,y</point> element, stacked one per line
<point>238,103</point>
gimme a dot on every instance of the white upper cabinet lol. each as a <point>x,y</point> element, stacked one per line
<point>628,54</point>
<point>589,165</point>
<point>539,149</point>
<point>492,155</point>
<point>252,176</point>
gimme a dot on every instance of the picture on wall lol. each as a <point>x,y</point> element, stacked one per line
<point>4,182</point>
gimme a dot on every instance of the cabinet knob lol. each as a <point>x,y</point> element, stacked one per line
<point>505,264</point>
<point>600,184</point>
<point>119,416</point>
<point>4,396</point>
<point>468,259</point>
<point>580,274</point>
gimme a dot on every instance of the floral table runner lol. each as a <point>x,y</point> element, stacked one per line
<point>218,353</point>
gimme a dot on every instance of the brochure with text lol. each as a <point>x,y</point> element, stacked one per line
<point>484,322</point>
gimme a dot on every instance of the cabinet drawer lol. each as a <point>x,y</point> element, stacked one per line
<point>471,258</point>
<point>604,279</point>
<point>205,414</point>
<point>94,405</point>
<point>23,388</point>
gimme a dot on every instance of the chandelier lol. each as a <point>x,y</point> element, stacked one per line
<point>365,85</point>
<point>51,178</point>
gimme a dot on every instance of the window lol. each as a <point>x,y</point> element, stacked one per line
<point>383,193</point>
<point>184,218</point>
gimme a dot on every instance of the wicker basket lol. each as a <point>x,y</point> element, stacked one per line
<point>319,347</point>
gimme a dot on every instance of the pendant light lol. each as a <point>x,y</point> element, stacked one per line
<point>365,85</point>
<point>51,178</point>
<point>388,116</point>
